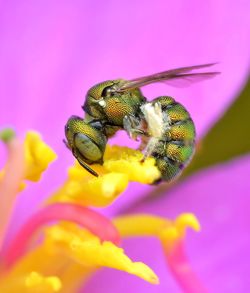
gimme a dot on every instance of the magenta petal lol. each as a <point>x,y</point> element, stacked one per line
<point>182,271</point>
<point>220,253</point>
<point>52,52</point>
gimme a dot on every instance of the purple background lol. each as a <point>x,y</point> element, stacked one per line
<point>51,52</point>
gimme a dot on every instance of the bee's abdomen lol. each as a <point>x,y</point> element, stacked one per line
<point>171,157</point>
<point>176,146</point>
<point>169,169</point>
<point>178,152</point>
<point>183,131</point>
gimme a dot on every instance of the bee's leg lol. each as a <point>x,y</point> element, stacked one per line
<point>150,147</point>
<point>131,126</point>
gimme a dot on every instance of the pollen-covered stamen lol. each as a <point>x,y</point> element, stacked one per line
<point>89,219</point>
<point>35,281</point>
<point>171,234</point>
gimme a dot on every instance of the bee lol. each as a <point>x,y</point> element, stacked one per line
<point>165,127</point>
<point>86,140</point>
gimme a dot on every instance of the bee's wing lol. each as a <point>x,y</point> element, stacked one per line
<point>183,80</point>
<point>181,74</point>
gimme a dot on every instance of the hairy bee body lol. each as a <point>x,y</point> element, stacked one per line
<point>175,147</point>
<point>104,103</point>
<point>86,140</point>
<point>165,127</point>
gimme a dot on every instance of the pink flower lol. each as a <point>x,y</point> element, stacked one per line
<point>51,53</point>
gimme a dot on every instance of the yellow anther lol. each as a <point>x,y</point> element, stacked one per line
<point>185,221</point>
<point>121,165</point>
<point>38,156</point>
<point>39,283</point>
<point>82,247</point>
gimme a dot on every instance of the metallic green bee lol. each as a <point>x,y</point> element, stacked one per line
<point>86,140</point>
<point>164,126</point>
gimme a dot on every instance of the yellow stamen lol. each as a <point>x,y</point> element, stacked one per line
<point>73,252</point>
<point>29,283</point>
<point>121,165</point>
<point>128,161</point>
<point>140,225</point>
<point>26,161</point>
<point>69,246</point>
<point>169,232</point>
<point>98,192</point>
<point>36,280</point>
<point>85,248</point>
<point>38,155</point>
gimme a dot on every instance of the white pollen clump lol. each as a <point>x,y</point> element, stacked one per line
<point>157,123</point>
<point>154,118</point>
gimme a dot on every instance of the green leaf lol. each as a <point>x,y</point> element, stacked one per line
<point>227,139</point>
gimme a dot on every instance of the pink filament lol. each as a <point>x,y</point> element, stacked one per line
<point>89,219</point>
<point>182,271</point>
<point>13,175</point>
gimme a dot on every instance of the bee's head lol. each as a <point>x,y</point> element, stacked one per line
<point>96,95</point>
<point>86,142</point>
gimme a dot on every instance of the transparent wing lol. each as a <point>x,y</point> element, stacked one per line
<point>181,74</point>
<point>188,79</point>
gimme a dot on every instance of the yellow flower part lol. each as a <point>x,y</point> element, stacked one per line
<point>86,249</point>
<point>73,253</point>
<point>35,281</point>
<point>169,232</point>
<point>128,161</point>
<point>90,191</point>
<point>68,253</point>
<point>30,283</point>
<point>38,155</point>
<point>121,165</point>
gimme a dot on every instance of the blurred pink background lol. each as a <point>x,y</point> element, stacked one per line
<point>51,52</point>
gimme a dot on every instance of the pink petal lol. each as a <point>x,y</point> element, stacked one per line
<point>219,254</point>
<point>52,52</point>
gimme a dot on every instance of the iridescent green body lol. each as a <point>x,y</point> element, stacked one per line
<point>86,140</point>
<point>175,148</point>
<point>165,127</point>
<point>106,105</point>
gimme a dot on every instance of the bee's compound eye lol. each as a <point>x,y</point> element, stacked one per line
<point>87,147</point>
